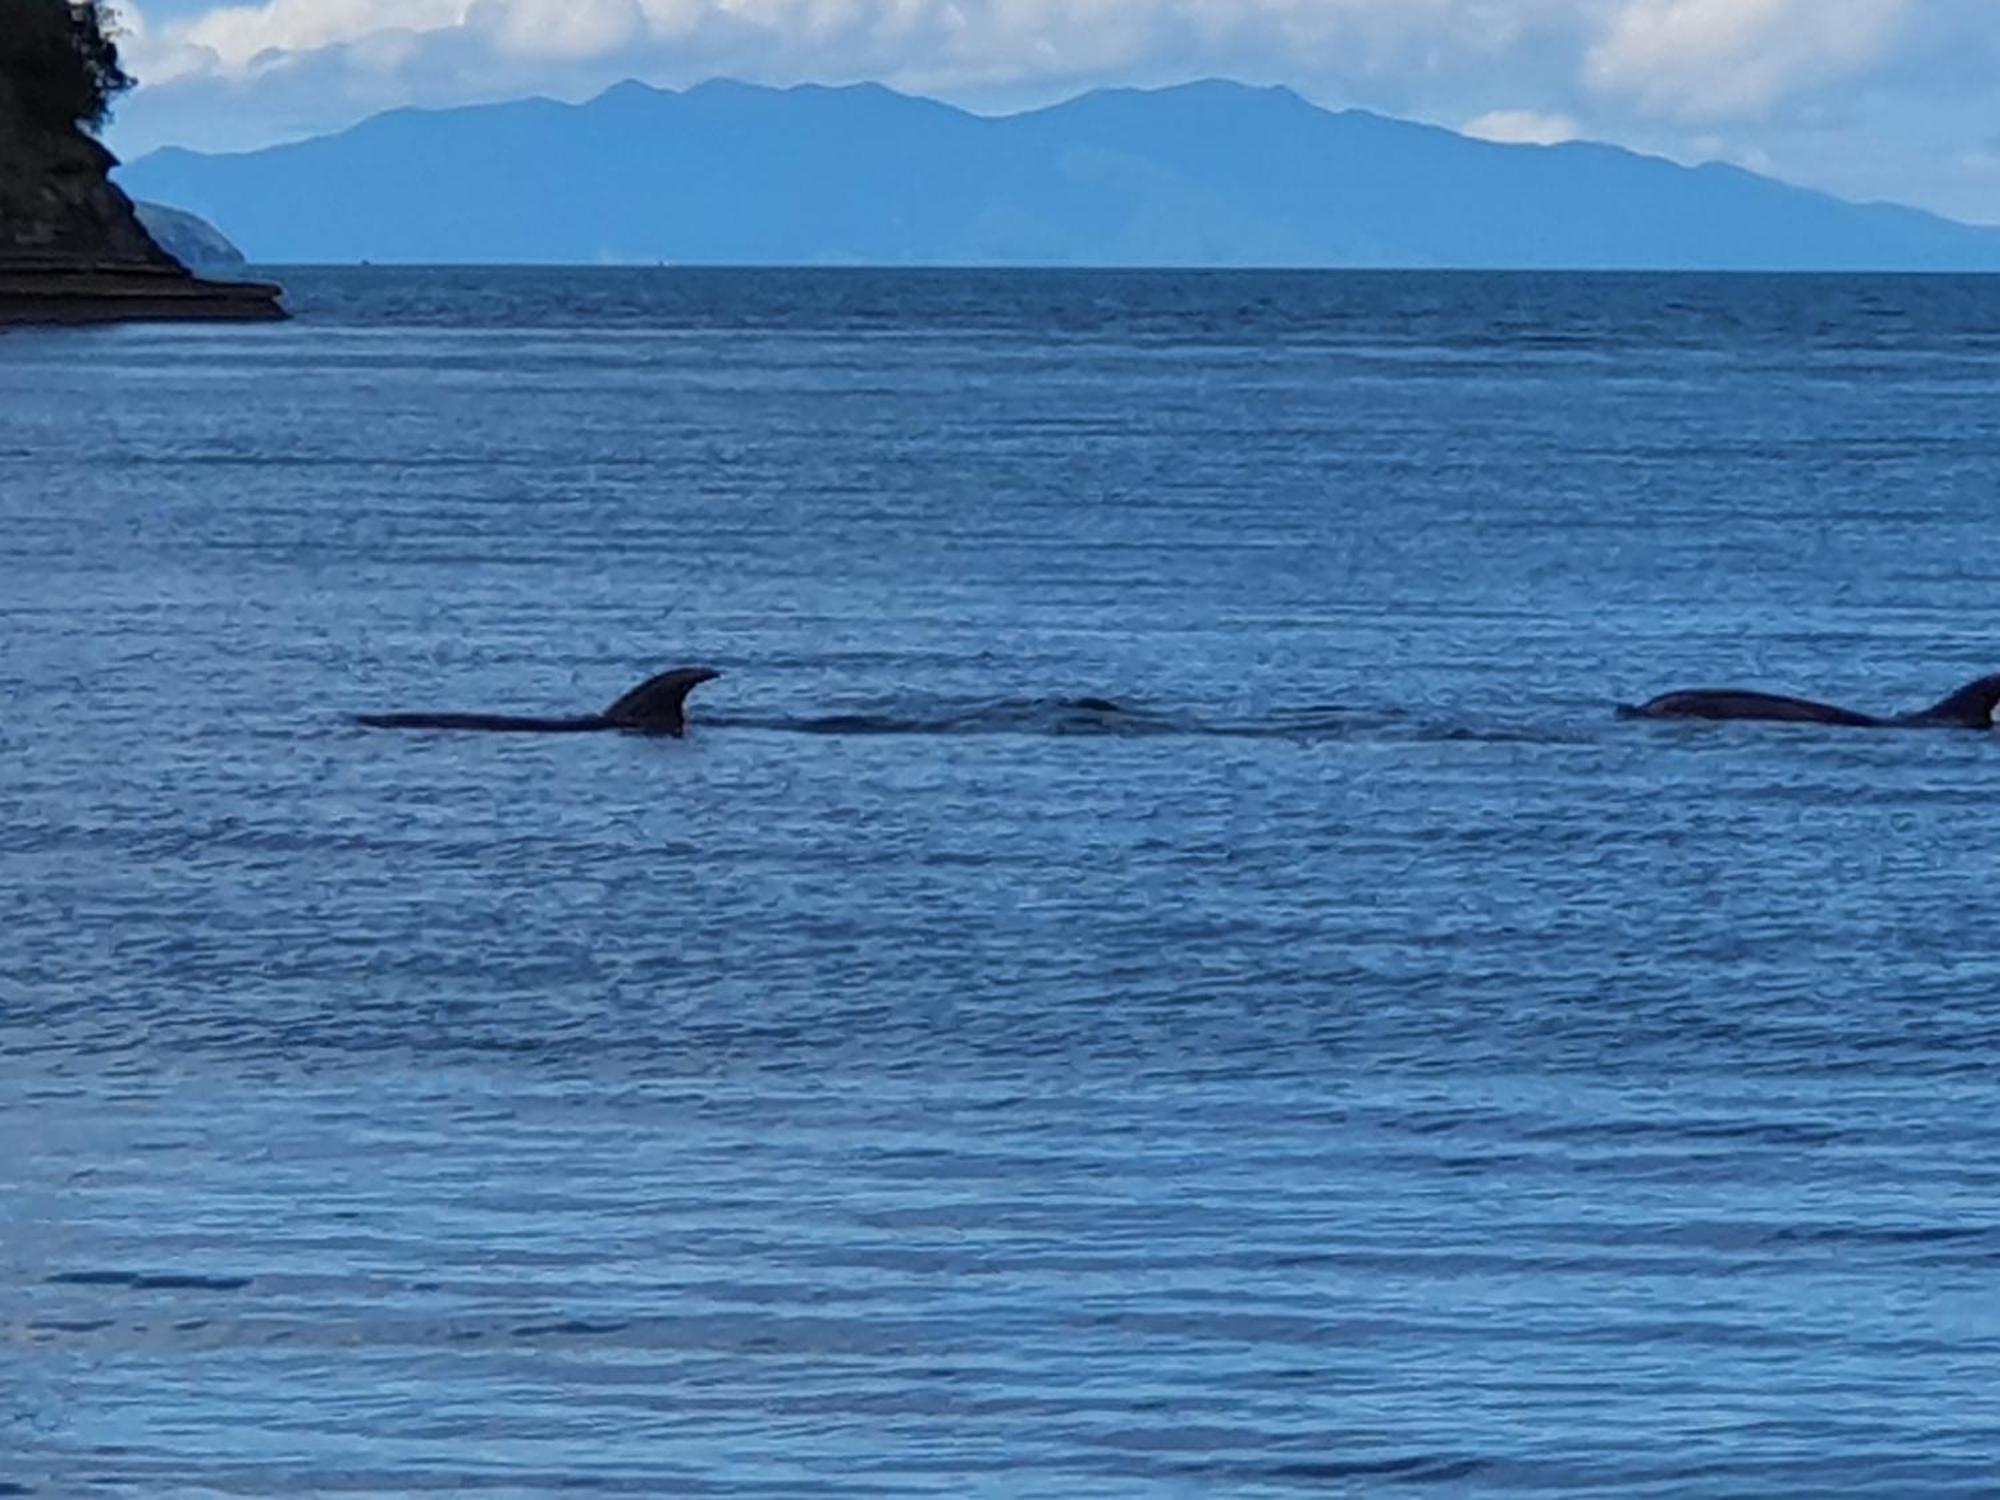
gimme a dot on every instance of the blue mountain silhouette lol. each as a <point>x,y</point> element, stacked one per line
<point>1207,173</point>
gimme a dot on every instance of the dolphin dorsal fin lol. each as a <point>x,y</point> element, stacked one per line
<point>656,705</point>
<point>1971,707</point>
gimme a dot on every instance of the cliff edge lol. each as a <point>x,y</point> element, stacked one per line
<point>72,249</point>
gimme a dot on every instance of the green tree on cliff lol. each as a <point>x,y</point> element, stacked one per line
<point>59,58</point>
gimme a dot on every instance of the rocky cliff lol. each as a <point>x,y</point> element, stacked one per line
<point>72,249</point>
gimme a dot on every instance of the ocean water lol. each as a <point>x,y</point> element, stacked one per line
<point>1360,1064</point>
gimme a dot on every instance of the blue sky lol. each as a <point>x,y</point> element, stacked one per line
<point>1871,99</point>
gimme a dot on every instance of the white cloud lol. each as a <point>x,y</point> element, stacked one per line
<point>558,30</point>
<point>1712,59</point>
<point>1522,127</point>
<point>977,38</point>
<point>233,37</point>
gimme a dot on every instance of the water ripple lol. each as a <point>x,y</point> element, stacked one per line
<point>1155,970</point>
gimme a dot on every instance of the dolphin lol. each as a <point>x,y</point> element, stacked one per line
<point>1971,707</point>
<point>655,706</point>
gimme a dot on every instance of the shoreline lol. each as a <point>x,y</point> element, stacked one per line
<point>67,293</point>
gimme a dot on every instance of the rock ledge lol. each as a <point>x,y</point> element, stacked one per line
<point>64,291</point>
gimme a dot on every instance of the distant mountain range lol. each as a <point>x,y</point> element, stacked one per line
<point>1202,174</point>
<point>194,242</point>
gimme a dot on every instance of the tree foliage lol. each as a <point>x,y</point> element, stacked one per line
<point>60,59</point>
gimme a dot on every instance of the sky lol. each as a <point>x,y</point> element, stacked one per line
<point>1895,100</point>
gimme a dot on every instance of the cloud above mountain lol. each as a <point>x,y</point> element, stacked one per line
<point>1723,58</point>
<point>1871,98</point>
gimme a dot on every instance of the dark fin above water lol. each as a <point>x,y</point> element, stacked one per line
<point>1971,707</point>
<point>655,706</point>
<point>658,705</point>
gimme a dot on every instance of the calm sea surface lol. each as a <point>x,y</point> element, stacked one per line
<point>1363,1065</point>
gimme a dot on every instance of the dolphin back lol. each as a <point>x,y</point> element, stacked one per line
<point>1740,703</point>
<point>1971,707</point>
<point>658,705</point>
<point>495,722</point>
